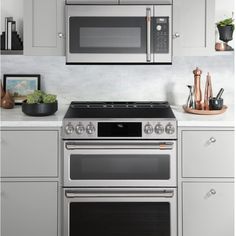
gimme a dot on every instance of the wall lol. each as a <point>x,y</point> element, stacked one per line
<point>127,82</point>
<point>12,8</point>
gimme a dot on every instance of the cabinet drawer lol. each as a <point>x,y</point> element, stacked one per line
<point>29,209</point>
<point>207,154</point>
<point>208,209</point>
<point>29,154</point>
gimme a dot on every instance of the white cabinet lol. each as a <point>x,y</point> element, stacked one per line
<point>29,153</point>
<point>208,209</point>
<point>44,31</point>
<point>30,177</point>
<point>29,209</point>
<point>205,181</point>
<point>208,153</point>
<point>193,27</point>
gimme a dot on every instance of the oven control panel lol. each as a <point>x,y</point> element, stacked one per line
<point>154,129</point>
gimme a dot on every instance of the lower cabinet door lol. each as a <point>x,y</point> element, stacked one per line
<point>208,209</point>
<point>29,209</point>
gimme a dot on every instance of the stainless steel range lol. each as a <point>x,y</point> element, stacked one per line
<point>119,169</point>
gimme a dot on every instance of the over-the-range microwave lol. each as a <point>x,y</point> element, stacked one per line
<point>119,33</point>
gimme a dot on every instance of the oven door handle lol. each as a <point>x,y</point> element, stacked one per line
<point>148,34</point>
<point>118,145</point>
<point>119,193</point>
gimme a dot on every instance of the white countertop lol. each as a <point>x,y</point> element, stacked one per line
<point>16,118</point>
<point>187,120</point>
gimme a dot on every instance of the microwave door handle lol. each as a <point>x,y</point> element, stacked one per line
<point>148,34</point>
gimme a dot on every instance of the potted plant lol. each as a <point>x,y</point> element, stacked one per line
<point>226,29</point>
<point>40,104</point>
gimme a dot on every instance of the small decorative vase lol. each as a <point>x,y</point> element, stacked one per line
<point>2,94</point>
<point>7,102</point>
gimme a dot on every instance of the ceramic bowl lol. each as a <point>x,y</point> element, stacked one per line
<point>40,109</point>
<point>216,104</point>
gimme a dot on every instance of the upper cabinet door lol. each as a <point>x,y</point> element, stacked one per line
<point>92,2</point>
<point>193,27</point>
<point>44,32</point>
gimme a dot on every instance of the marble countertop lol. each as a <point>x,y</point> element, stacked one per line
<point>15,118</point>
<point>190,120</point>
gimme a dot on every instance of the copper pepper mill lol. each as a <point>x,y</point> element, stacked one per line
<point>208,92</point>
<point>197,88</point>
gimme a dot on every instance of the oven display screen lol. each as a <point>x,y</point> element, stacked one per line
<point>120,129</point>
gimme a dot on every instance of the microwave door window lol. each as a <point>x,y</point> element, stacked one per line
<point>107,35</point>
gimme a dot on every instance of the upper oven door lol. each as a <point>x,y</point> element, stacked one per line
<point>119,163</point>
<point>108,34</point>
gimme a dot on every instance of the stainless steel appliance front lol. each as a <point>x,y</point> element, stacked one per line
<point>120,211</point>
<point>120,163</point>
<point>118,33</point>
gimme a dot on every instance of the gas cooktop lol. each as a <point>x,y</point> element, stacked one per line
<point>98,120</point>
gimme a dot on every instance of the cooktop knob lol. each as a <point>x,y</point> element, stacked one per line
<point>79,129</point>
<point>159,129</point>
<point>148,129</point>
<point>90,128</point>
<point>69,129</point>
<point>170,129</point>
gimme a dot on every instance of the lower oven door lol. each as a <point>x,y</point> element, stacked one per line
<point>120,164</point>
<point>126,212</point>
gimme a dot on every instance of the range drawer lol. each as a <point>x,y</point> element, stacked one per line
<point>29,153</point>
<point>207,153</point>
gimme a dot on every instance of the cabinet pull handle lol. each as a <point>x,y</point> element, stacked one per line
<point>176,35</point>
<point>212,140</point>
<point>60,35</point>
<point>212,191</point>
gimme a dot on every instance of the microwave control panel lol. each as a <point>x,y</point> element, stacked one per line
<point>161,35</point>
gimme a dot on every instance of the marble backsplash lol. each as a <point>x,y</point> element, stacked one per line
<point>124,82</point>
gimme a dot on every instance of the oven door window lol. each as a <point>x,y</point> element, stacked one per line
<point>119,167</point>
<point>120,218</point>
<point>107,35</point>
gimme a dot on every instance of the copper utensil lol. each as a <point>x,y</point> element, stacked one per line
<point>197,88</point>
<point>208,92</point>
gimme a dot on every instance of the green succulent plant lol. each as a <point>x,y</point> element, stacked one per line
<point>226,22</point>
<point>49,98</point>
<point>39,96</point>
